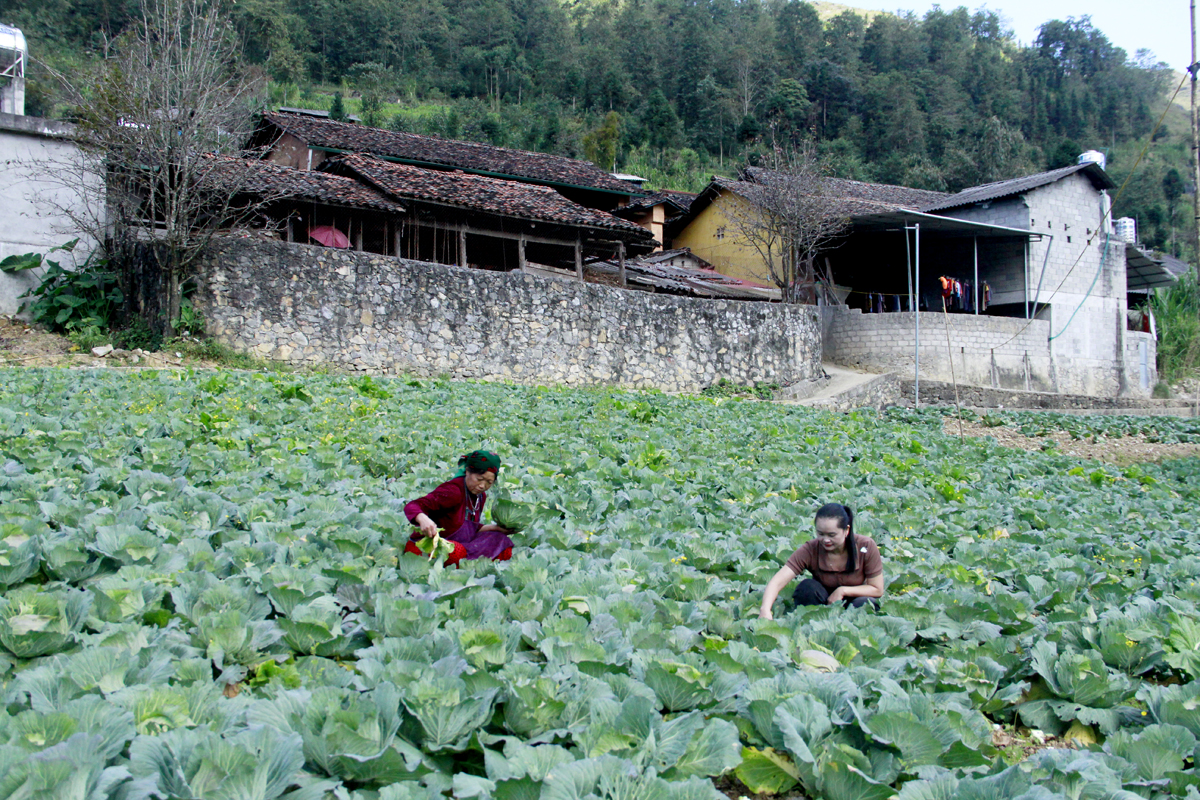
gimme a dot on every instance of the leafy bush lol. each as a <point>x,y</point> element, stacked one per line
<point>69,299</point>
<point>137,334</point>
<point>1177,314</point>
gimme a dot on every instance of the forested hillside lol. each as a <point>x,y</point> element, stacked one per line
<point>678,89</point>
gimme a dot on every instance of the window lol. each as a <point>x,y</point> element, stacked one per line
<point>721,232</point>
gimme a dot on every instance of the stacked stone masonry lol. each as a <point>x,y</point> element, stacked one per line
<point>311,305</point>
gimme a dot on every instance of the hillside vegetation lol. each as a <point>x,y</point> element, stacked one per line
<point>678,90</point>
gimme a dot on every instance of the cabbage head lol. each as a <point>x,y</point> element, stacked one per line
<point>512,515</point>
<point>39,623</point>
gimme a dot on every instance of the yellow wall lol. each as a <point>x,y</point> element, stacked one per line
<point>728,255</point>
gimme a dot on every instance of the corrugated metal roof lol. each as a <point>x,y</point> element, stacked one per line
<point>999,189</point>
<point>1144,270</point>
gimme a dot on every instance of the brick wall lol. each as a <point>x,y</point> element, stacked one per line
<point>982,350</point>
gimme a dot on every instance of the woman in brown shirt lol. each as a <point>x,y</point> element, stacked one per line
<point>845,568</point>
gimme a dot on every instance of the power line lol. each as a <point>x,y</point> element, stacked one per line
<point>1107,214</point>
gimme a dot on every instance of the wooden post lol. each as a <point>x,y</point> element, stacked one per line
<point>621,263</point>
<point>578,258</point>
<point>291,234</point>
<point>975,287</point>
<point>397,243</point>
<point>462,246</point>
<point>521,253</point>
<point>358,237</point>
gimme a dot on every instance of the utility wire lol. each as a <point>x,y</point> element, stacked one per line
<point>1106,215</point>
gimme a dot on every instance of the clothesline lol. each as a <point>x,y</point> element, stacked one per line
<point>957,296</point>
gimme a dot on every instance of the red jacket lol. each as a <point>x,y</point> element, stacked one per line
<point>447,506</point>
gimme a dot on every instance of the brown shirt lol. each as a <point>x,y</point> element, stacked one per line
<point>811,558</point>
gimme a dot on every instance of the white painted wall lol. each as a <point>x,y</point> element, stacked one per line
<point>1078,269</point>
<point>37,160</point>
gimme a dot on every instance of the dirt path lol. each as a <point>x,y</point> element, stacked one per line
<point>1126,450</point>
<point>23,345</point>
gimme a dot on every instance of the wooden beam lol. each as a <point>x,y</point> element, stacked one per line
<point>578,259</point>
<point>597,243</point>
<point>621,266</point>
<point>397,241</point>
<point>358,236</point>
<point>521,253</point>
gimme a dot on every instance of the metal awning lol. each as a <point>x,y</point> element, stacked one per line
<point>1143,271</point>
<point>946,226</point>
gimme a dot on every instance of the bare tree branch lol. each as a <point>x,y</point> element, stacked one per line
<point>167,100</point>
<point>788,214</point>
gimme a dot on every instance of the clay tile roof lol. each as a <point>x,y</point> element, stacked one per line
<point>274,181</point>
<point>859,198</point>
<point>680,201</point>
<point>994,191</point>
<point>432,151</point>
<point>479,193</point>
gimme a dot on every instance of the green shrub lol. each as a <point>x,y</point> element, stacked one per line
<point>1177,313</point>
<point>68,300</point>
<point>89,336</point>
<point>138,334</point>
<point>1161,391</point>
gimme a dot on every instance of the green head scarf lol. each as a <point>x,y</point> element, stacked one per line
<point>478,461</point>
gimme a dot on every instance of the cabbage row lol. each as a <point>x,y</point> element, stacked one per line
<point>205,596</point>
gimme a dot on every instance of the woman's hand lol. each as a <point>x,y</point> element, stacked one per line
<point>493,527</point>
<point>429,528</point>
<point>838,595</point>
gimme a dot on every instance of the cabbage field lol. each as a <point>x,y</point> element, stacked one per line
<point>204,596</point>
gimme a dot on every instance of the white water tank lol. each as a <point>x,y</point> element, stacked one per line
<point>1125,229</point>
<point>12,70</point>
<point>1092,157</point>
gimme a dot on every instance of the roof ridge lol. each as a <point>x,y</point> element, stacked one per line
<point>530,165</point>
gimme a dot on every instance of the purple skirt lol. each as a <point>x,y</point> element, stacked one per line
<point>480,544</point>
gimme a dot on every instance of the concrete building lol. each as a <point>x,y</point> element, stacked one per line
<point>39,165</point>
<point>1034,281</point>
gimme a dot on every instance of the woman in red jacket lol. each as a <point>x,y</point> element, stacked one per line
<point>454,511</point>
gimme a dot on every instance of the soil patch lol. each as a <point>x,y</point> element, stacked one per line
<point>25,345</point>
<point>734,789</point>
<point>1123,451</point>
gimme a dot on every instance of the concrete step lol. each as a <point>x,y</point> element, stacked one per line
<point>844,389</point>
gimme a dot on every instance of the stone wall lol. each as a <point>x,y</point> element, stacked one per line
<point>311,305</point>
<point>983,348</point>
<point>938,393</point>
<point>878,393</point>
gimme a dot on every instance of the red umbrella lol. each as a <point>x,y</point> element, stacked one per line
<point>329,236</point>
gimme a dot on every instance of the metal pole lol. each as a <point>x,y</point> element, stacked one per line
<point>975,244</point>
<point>1195,140</point>
<point>1026,265</point>
<point>912,298</point>
<point>917,321</point>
